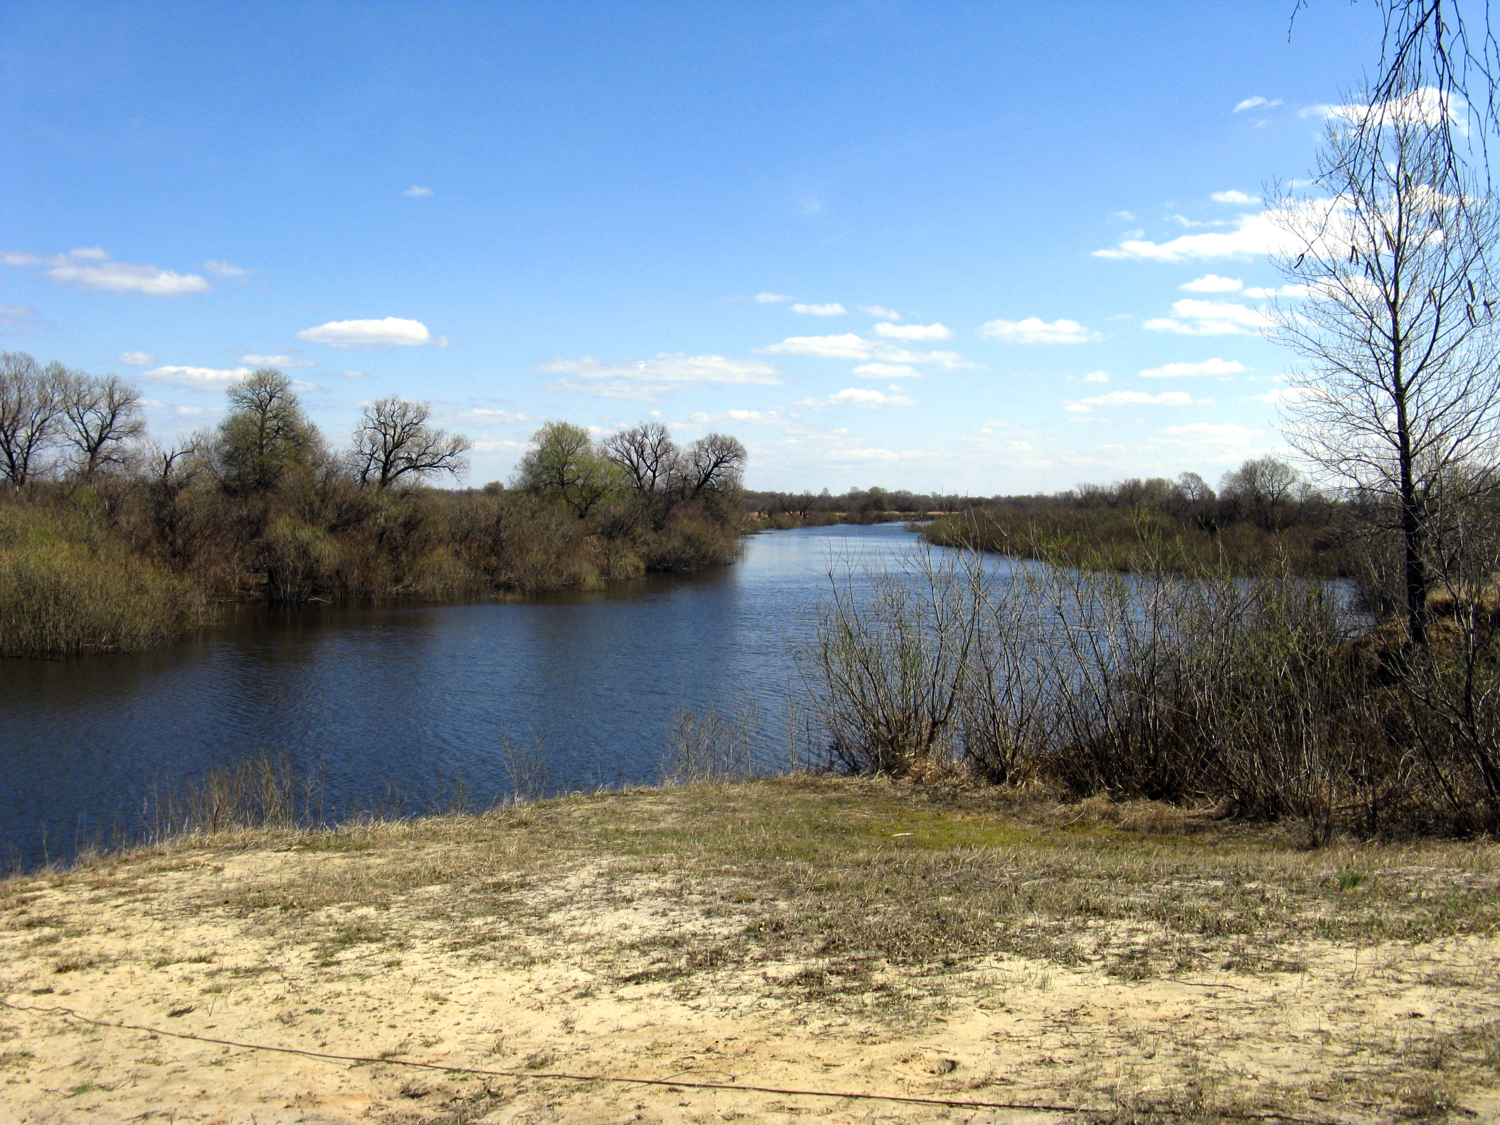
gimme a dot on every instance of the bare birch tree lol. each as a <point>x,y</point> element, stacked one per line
<point>1399,389</point>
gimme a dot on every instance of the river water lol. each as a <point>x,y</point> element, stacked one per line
<point>399,706</point>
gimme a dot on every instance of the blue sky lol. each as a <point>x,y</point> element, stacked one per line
<point>970,247</point>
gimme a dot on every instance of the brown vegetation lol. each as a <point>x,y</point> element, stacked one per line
<point>109,544</point>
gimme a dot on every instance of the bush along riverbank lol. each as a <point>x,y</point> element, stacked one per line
<point>1263,697</point>
<point>108,542</point>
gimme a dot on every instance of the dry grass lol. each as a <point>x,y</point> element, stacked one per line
<point>1138,959</point>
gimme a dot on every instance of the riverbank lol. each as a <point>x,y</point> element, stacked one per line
<point>810,936</point>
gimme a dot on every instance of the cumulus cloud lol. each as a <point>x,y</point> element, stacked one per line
<point>136,359</point>
<point>887,371</point>
<point>833,308</point>
<point>203,378</point>
<point>1096,377</point>
<point>859,396</point>
<point>227,269</point>
<point>490,416</point>
<point>90,267</point>
<point>1284,291</point>
<point>1034,330</point>
<point>1213,367</point>
<point>1252,235</point>
<point>1257,102</point>
<point>914,331</point>
<point>1212,283</point>
<point>416,191</point>
<point>648,379</point>
<point>390,332</point>
<point>1208,318</point>
<point>1129,398</point>
<point>1214,434</point>
<point>1233,197</point>
<point>771,298</point>
<point>880,311</point>
<point>275,361</point>
<point>847,346</point>
<point>1424,106</point>
<point>751,417</point>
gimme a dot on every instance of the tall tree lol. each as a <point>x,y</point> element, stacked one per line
<point>647,454</point>
<point>31,407</point>
<point>1399,386</point>
<point>265,435</point>
<point>103,417</point>
<point>394,440</point>
<point>564,465</point>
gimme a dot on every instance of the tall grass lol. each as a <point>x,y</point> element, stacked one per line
<point>68,588</point>
<point>1181,683</point>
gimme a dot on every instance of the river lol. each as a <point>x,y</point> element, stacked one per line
<point>401,706</point>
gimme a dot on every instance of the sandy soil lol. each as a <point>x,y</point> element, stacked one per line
<point>270,943</point>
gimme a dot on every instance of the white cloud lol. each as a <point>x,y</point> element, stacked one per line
<point>1207,367</point>
<point>648,379</point>
<point>391,332</point>
<point>1279,396</point>
<point>417,192</point>
<point>880,311</point>
<point>833,308</point>
<point>1208,318</point>
<point>859,396</point>
<point>914,331</point>
<point>752,417</point>
<point>276,361</point>
<point>488,416</point>
<point>1424,106</point>
<point>1256,102</point>
<point>16,314</point>
<point>1212,283</point>
<point>226,269</point>
<point>1284,291</point>
<point>887,371</point>
<point>1125,216</point>
<point>90,267</point>
<point>847,346</point>
<point>1130,398</point>
<point>207,378</point>
<point>1253,234</point>
<point>1212,433</point>
<point>1033,330</point>
<point>771,298</point>
<point>1232,197</point>
<point>1096,377</point>
<point>136,359</point>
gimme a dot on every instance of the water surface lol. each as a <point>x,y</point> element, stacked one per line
<point>398,705</point>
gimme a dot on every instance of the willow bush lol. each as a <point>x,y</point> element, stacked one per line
<point>66,588</point>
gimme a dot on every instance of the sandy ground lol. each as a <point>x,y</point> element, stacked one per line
<point>276,945</point>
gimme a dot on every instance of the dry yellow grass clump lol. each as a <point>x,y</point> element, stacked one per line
<point>762,950</point>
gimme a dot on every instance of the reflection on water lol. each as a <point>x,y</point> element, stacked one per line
<point>413,698</point>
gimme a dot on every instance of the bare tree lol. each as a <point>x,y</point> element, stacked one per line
<point>715,464</point>
<point>31,406</point>
<point>1265,486</point>
<point>103,417</point>
<point>1399,385</point>
<point>648,455</point>
<point>393,440</point>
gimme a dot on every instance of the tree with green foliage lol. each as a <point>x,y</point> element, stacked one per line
<point>565,465</point>
<point>266,434</point>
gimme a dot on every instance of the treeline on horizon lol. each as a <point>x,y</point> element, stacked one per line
<point>111,541</point>
<point>1263,513</point>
